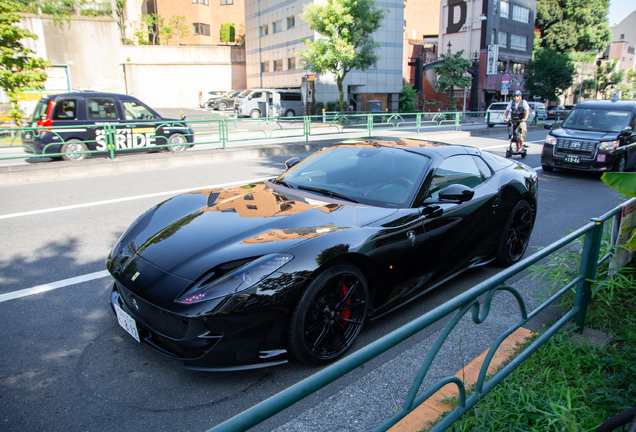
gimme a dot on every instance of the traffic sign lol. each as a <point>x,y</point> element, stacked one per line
<point>505,86</point>
<point>505,78</point>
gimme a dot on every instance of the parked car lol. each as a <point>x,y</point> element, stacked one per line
<point>205,98</point>
<point>559,112</point>
<point>540,113</point>
<point>495,114</point>
<point>269,103</point>
<point>226,101</point>
<point>596,136</point>
<point>74,123</point>
<point>230,279</point>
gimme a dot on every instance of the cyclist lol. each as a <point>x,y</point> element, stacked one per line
<point>519,111</point>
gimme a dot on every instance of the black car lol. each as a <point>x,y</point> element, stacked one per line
<point>226,102</point>
<point>76,123</point>
<point>596,136</point>
<point>229,279</point>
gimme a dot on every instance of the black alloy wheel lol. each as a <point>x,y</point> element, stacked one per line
<point>329,315</point>
<point>516,235</point>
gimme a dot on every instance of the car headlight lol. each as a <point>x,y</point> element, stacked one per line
<point>550,139</point>
<point>608,145</point>
<point>238,280</point>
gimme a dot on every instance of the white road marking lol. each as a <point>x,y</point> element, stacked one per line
<point>133,198</point>
<point>53,285</point>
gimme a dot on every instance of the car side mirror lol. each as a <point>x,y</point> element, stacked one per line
<point>291,162</point>
<point>456,193</point>
<point>627,131</point>
<point>548,126</point>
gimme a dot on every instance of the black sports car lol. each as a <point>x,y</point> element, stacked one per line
<point>230,279</point>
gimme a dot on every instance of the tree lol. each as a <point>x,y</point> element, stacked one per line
<point>452,73</point>
<point>609,76</point>
<point>408,99</point>
<point>153,22</point>
<point>166,31</point>
<point>19,70</point>
<point>227,32</point>
<point>549,74</point>
<point>119,11</point>
<point>573,25</point>
<point>180,27</point>
<point>345,29</point>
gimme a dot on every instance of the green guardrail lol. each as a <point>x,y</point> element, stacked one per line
<point>112,139</point>
<point>459,306</point>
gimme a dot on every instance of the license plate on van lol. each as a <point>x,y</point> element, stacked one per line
<point>572,159</point>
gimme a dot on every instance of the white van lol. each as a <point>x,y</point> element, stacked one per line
<point>270,103</point>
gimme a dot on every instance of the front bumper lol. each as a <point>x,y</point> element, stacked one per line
<point>223,343</point>
<point>598,161</point>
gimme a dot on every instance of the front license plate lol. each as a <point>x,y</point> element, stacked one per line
<point>127,322</point>
<point>572,159</point>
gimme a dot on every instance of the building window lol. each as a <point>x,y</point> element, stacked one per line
<point>226,2</point>
<point>518,42</point>
<point>520,14</point>
<point>291,63</point>
<point>201,29</point>
<point>517,68</point>
<point>291,22</point>
<point>203,2</point>
<point>278,65</point>
<point>501,65</point>
<point>277,26</point>
<point>502,39</point>
<point>265,67</point>
<point>622,36</point>
<point>504,9</point>
<point>264,30</point>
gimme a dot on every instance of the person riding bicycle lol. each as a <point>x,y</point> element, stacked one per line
<point>519,110</point>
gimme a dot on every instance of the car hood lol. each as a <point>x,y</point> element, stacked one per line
<point>191,233</point>
<point>584,135</point>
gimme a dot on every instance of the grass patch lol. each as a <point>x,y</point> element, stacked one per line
<point>567,385</point>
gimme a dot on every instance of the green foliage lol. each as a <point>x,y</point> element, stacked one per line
<point>141,34</point>
<point>166,31</point>
<point>344,41</point>
<point>609,76</point>
<point>452,73</point>
<point>227,32</point>
<point>180,27</point>
<point>549,74</point>
<point>318,108</point>
<point>19,70</point>
<point>153,22</point>
<point>408,99</point>
<point>573,25</point>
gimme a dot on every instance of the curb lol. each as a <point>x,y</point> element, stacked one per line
<point>425,415</point>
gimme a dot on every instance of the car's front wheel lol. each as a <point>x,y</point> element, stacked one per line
<point>620,164</point>
<point>222,106</point>
<point>329,315</point>
<point>178,143</point>
<point>546,168</point>
<point>516,235</point>
<point>73,147</point>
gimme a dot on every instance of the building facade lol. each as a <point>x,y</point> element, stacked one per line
<point>273,32</point>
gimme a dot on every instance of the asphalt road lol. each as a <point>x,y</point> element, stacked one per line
<point>66,365</point>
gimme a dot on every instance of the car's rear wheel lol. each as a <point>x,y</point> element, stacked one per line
<point>255,114</point>
<point>178,143</point>
<point>329,315</point>
<point>620,164</point>
<point>222,106</point>
<point>73,147</point>
<point>516,235</point>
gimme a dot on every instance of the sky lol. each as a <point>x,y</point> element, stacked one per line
<point>619,10</point>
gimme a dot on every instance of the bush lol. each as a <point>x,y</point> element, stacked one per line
<point>227,32</point>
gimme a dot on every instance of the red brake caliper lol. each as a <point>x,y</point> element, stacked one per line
<point>345,313</point>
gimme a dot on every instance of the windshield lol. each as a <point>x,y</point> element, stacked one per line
<point>594,119</point>
<point>373,175</point>
<point>40,110</point>
<point>244,93</point>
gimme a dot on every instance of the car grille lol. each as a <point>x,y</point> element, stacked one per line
<point>166,323</point>
<point>578,147</point>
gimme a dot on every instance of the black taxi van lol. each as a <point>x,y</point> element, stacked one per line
<point>72,123</point>
<point>595,136</point>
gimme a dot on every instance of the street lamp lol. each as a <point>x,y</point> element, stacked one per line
<point>469,32</point>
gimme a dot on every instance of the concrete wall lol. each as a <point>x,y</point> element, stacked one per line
<point>161,76</point>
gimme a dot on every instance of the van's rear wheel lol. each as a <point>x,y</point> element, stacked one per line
<point>255,114</point>
<point>290,113</point>
<point>74,147</point>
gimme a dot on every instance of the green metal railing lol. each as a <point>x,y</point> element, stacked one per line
<point>218,133</point>
<point>457,307</point>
